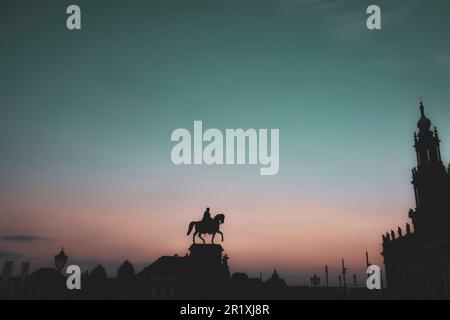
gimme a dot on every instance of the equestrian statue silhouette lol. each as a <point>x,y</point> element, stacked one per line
<point>207,225</point>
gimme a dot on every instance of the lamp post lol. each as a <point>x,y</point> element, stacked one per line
<point>367,260</point>
<point>344,273</point>
<point>60,260</point>
<point>315,281</point>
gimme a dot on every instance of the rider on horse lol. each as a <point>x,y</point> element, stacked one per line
<point>207,225</point>
<point>207,217</point>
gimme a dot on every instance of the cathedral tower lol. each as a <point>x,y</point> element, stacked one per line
<point>430,179</point>
<point>418,262</point>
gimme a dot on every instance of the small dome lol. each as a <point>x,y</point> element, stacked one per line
<point>275,280</point>
<point>424,123</point>
<point>99,273</point>
<point>126,270</point>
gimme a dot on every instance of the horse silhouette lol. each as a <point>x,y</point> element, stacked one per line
<point>207,227</point>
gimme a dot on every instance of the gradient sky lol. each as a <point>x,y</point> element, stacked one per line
<point>86,119</point>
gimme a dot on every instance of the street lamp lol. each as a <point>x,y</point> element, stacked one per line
<point>60,260</point>
<point>315,281</point>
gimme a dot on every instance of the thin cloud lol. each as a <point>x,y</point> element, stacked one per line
<point>325,5</point>
<point>316,5</point>
<point>8,255</point>
<point>23,238</point>
<point>349,19</point>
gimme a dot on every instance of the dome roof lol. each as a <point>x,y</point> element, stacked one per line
<point>126,270</point>
<point>275,280</point>
<point>424,123</point>
<point>98,273</point>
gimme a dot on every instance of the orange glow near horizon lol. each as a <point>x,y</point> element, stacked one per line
<point>260,235</point>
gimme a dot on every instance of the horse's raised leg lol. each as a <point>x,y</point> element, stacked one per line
<point>212,240</point>
<point>221,234</point>
<point>200,235</point>
<point>193,237</point>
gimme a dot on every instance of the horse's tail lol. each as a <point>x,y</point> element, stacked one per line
<point>191,226</point>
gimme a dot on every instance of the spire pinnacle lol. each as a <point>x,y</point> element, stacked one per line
<point>424,123</point>
<point>422,108</point>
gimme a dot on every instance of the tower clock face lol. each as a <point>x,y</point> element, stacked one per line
<point>198,150</point>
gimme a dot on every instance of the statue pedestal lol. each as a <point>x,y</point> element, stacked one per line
<point>205,264</point>
<point>206,253</point>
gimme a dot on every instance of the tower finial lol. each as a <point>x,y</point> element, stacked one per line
<point>424,123</point>
<point>422,108</point>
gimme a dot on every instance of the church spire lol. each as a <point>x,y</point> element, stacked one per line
<point>424,123</point>
<point>427,142</point>
<point>422,108</point>
<point>430,172</point>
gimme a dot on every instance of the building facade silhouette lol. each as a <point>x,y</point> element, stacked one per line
<point>417,261</point>
<point>203,270</point>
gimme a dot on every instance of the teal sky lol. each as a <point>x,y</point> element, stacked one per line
<point>87,117</point>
